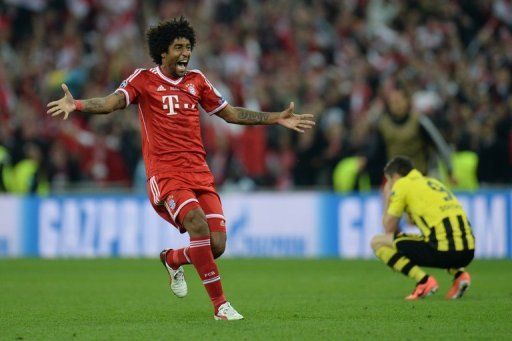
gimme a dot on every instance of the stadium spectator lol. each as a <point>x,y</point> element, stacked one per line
<point>180,183</point>
<point>446,240</point>
<point>403,131</point>
<point>5,170</point>
<point>28,174</point>
<point>454,57</point>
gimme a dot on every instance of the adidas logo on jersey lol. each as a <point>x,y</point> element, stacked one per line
<point>160,88</point>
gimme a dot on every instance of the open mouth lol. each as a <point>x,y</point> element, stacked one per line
<point>181,66</point>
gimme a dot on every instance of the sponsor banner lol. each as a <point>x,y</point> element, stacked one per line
<point>351,221</point>
<point>271,225</point>
<point>100,227</point>
<point>10,222</point>
<point>258,225</point>
<point>490,215</point>
<point>299,224</point>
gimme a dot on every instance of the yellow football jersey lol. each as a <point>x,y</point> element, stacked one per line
<point>434,209</point>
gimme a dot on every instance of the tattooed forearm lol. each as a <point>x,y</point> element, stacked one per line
<point>249,117</point>
<point>104,105</point>
<point>95,106</point>
<point>253,116</point>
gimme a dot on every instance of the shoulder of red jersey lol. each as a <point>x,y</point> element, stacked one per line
<point>211,99</point>
<point>130,91</point>
<point>202,79</point>
<point>134,75</point>
<point>198,73</point>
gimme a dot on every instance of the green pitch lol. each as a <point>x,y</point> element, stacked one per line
<point>280,299</point>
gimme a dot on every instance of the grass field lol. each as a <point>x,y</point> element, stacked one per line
<point>114,299</point>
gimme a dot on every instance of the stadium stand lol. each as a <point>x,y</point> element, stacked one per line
<point>336,59</point>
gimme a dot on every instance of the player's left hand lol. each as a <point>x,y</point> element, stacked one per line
<point>296,122</point>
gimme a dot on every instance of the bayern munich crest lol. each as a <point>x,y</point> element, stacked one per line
<point>191,89</point>
<point>172,204</point>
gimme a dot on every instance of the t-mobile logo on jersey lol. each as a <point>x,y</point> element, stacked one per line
<point>171,102</point>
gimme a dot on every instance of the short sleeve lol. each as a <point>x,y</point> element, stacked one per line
<point>131,87</point>
<point>211,100</point>
<point>397,199</point>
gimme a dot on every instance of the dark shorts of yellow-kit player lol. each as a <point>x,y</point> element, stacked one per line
<point>423,253</point>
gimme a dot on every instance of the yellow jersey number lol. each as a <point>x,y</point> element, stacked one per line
<point>439,187</point>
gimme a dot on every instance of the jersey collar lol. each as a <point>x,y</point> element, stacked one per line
<point>165,78</point>
<point>414,173</point>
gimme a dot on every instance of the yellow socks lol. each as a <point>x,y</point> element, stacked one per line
<point>397,262</point>
<point>455,272</point>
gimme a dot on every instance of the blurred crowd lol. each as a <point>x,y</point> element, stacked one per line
<point>340,60</point>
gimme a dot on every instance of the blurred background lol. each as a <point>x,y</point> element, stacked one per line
<point>354,63</point>
<point>427,78</point>
<point>430,79</point>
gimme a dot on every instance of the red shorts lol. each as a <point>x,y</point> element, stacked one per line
<point>174,196</point>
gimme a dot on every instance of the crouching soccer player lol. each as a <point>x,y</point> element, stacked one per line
<point>446,241</point>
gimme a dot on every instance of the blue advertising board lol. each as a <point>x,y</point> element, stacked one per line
<point>294,224</point>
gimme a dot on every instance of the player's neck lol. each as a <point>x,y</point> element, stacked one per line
<point>167,73</point>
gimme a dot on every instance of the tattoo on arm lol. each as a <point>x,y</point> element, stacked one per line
<point>120,101</point>
<point>94,105</point>
<point>104,105</point>
<point>245,116</point>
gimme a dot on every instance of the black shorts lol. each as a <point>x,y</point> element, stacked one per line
<point>421,253</point>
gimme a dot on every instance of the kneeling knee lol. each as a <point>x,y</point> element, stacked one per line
<point>376,243</point>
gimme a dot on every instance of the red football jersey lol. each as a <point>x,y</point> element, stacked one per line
<point>169,118</point>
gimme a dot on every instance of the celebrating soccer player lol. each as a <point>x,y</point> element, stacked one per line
<point>446,241</point>
<point>179,182</point>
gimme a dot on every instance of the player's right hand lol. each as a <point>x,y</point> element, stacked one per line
<point>65,105</point>
<point>291,120</point>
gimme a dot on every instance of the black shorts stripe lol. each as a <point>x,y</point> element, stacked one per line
<point>449,233</point>
<point>462,226</point>
<point>407,268</point>
<point>392,261</point>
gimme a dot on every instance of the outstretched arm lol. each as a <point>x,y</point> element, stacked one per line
<point>99,105</point>
<point>287,118</point>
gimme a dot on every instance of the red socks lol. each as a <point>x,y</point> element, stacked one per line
<point>177,258</point>
<point>202,258</point>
